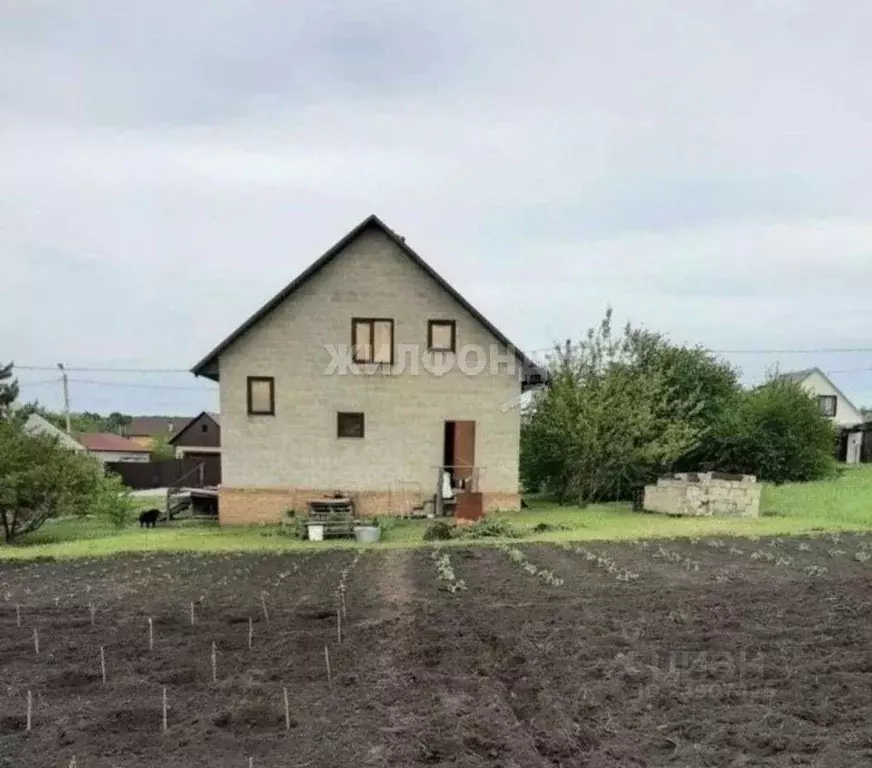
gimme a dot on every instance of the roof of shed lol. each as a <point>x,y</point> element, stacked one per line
<point>108,442</point>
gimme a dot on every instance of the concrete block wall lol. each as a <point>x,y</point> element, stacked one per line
<point>704,494</point>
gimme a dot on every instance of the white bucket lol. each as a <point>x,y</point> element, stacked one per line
<point>366,533</point>
<point>316,532</point>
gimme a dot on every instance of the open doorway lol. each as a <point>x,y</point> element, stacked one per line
<point>458,454</point>
<point>448,450</point>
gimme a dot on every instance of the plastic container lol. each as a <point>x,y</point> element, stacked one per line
<point>316,531</point>
<point>367,533</point>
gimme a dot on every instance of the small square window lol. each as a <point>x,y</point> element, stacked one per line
<point>349,425</point>
<point>261,396</point>
<point>441,335</point>
<point>204,427</point>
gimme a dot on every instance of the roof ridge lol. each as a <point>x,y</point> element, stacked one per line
<point>208,365</point>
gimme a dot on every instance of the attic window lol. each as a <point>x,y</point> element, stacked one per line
<point>204,427</point>
<point>441,335</point>
<point>372,340</point>
<point>261,392</point>
<point>827,405</point>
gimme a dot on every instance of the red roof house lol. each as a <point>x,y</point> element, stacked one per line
<point>108,447</point>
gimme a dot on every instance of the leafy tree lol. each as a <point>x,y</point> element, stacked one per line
<point>161,449</point>
<point>610,420</point>
<point>117,422</point>
<point>40,480</point>
<point>113,501</point>
<point>85,421</point>
<point>777,432</point>
<point>8,389</point>
<point>692,374</point>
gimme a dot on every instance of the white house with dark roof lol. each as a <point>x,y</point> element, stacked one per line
<point>834,404</point>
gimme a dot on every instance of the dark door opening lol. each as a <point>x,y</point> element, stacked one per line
<point>448,450</point>
<point>459,451</point>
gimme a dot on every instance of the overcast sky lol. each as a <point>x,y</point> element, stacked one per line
<point>165,167</point>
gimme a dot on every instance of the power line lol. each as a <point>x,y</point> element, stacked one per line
<point>849,370</point>
<point>138,385</point>
<point>824,351</point>
<point>821,351</point>
<point>539,351</point>
<point>38,383</point>
<point>102,370</point>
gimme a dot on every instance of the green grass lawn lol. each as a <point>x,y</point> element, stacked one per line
<point>841,504</point>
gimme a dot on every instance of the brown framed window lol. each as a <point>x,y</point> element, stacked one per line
<point>372,339</point>
<point>349,424</point>
<point>261,395</point>
<point>827,404</point>
<point>442,335</point>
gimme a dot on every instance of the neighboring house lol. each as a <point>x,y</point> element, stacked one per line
<point>145,430</point>
<point>200,437</point>
<point>350,380</point>
<point>833,404</point>
<point>113,448</point>
<point>37,425</point>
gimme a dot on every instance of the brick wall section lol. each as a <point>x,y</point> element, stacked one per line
<point>247,506</point>
<point>705,496</point>
<point>506,502</point>
<point>404,410</point>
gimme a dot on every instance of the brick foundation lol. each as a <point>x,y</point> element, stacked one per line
<point>250,506</point>
<point>505,502</point>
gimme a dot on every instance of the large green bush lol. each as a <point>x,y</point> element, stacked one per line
<point>620,409</point>
<point>40,480</point>
<point>623,408</point>
<point>776,432</point>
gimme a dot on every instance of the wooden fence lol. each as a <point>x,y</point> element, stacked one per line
<point>190,472</point>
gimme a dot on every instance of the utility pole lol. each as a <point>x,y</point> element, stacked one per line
<point>66,396</point>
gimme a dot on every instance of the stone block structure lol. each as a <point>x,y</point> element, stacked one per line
<point>705,494</point>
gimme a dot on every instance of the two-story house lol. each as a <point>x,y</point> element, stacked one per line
<point>366,375</point>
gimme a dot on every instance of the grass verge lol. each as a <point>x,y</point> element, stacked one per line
<point>844,503</point>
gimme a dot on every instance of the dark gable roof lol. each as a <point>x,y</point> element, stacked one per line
<point>152,426</point>
<point>797,377</point>
<point>208,414</point>
<point>208,366</point>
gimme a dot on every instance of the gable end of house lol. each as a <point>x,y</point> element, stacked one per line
<point>208,367</point>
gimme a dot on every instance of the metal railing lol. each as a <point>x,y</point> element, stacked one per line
<point>179,484</point>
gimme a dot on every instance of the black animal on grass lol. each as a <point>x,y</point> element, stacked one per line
<point>148,518</point>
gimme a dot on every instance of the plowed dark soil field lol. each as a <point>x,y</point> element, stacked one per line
<point>706,653</point>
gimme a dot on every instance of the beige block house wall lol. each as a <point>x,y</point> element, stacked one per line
<point>272,463</point>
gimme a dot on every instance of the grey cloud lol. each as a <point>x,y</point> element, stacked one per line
<point>166,167</point>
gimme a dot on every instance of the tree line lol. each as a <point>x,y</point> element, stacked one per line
<point>626,406</point>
